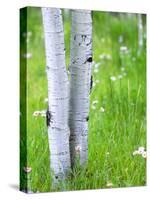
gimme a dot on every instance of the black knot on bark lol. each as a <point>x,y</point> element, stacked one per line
<point>89,59</point>
<point>87,118</point>
<point>48,117</point>
<point>91,83</point>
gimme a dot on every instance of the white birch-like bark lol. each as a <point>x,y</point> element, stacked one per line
<point>80,78</point>
<point>58,93</point>
<point>140,31</point>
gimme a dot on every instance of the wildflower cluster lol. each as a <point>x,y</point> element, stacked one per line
<point>141,151</point>
<point>109,184</point>
<point>124,50</point>
<point>120,76</point>
<point>105,56</point>
<point>102,109</point>
<point>41,113</point>
<point>27,169</point>
<point>96,66</point>
<point>27,55</point>
<point>94,104</point>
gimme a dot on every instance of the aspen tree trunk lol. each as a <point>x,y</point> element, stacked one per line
<point>140,31</point>
<point>58,93</point>
<point>80,78</point>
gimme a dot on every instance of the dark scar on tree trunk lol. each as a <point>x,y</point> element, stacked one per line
<point>91,83</point>
<point>83,37</point>
<point>87,118</point>
<point>89,59</point>
<point>89,43</point>
<point>48,117</point>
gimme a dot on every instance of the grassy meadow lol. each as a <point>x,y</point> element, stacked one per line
<point>117,119</point>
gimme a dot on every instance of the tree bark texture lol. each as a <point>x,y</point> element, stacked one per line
<point>58,95</point>
<point>80,78</point>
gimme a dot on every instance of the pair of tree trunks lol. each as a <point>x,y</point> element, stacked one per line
<point>68,98</point>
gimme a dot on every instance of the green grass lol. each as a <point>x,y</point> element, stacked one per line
<point>113,134</point>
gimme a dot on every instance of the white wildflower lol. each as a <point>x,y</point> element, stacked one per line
<point>36,113</point>
<point>105,56</point>
<point>27,34</point>
<point>144,154</point>
<point>27,169</point>
<point>95,102</point>
<point>141,150</point>
<point>41,113</point>
<point>113,78</point>
<point>135,153</point>
<point>97,81</point>
<point>109,184</point>
<point>77,149</point>
<point>46,100</point>
<point>123,49</point>
<point>102,109</point>
<point>94,84</point>
<point>27,55</point>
